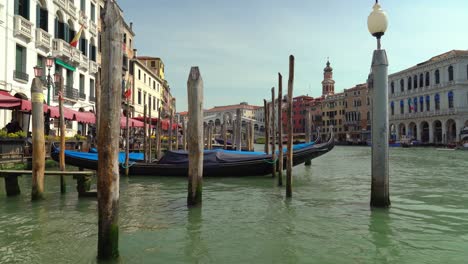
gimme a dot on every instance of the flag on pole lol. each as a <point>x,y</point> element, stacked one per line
<point>75,39</point>
<point>411,107</point>
<point>128,90</point>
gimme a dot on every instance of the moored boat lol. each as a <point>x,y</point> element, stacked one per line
<point>216,163</point>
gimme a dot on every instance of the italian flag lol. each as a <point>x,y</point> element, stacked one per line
<point>75,40</point>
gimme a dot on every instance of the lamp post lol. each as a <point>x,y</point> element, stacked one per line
<point>378,86</point>
<point>49,64</point>
<point>59,86</point>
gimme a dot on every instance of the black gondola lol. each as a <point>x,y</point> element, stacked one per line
<point>216,163</point>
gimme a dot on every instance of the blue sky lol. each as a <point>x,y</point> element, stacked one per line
<point>240,46</point>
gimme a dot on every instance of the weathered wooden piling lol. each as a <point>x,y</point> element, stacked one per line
<point>127,137</point>
<point>238,130</point>
<point>170,129</point>
<point>308,133</point>
<point>273,132</point>
<point>289,163</point>
<point>252,136</point>
<point>177,133</point>
<point>145,134</point>
<point>225,132</point>
<point>280,130</point>
<point>150,132</point>
<point>158,135</point>
<point>184,138</point>
<point>63,187</point>
<point>38,140</point>
<point>267,126</point>
<point>195,137</point>
<point>109,126</point>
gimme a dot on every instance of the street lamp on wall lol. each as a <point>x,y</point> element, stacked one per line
<point>38,71</point>
<point>49,64</point>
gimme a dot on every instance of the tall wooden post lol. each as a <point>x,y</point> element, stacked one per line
<point>38,140</point>
<point>280,130</point>
<point>184,138</point>
<point>109,126</point>
<point>210,136</point>
<point>145,134</point>
<point>252,136</point>
<point>267,127</point>
<point>308,133</point>
<point>224,132</point>
<point>127,137</point>
<point>177,133</point>
<point>150,130</point>
<point>171,128</point>
<point>158,135</point>
<point>238,129</point>
<point>289,162</point>
<point>62,138</point>
<point>98,101</point>
<point>195,137</point>
<point>273,132</point>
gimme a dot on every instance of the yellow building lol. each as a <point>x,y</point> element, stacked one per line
<point>333,112</point>
<point>147,89</point>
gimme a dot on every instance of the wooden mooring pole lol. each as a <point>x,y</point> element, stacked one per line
<point>171,116</point>
<point>238,129</point>
<point>289,163</point>
<point>225,132</point>
<point>308,133</point>
<point>38,140</point>
<point>109,127</point>
<point>158,134</point>
<point>145,134</point>
<point>63,188</point>
<point>273,132</point>
<point>280,130</point>
<point>150,130</point>
<point>127,137</point>
<point>267,127</point>
<point>195,137</point>
<point>184,138</point>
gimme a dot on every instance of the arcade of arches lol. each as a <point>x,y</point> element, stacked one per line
<point>437,131</point>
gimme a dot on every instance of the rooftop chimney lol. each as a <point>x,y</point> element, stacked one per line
<point>131,25</point>
<point>134,53</point>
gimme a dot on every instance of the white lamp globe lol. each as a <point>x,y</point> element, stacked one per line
<point>377,21</point>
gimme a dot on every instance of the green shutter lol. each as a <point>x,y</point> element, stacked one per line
<point>38,16</point>
<point>16,7</point>
<point>19,58</point>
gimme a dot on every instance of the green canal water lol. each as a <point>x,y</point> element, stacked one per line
<point>248,220</point>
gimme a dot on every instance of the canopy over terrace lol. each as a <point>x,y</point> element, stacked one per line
<point>164,122</point>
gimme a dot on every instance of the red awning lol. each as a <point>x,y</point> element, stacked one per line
<point>7,101</point>
<point>164,122</point>
<point>131,122</point>
<point>67,113</point>
<point>85,117</point>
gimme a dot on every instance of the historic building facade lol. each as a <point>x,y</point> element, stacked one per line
<point>357,114</point>
<point>429,101</point>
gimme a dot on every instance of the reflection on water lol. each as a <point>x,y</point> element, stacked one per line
<point>248,220</point>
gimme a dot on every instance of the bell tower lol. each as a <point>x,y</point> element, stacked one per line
<point>328,84</point>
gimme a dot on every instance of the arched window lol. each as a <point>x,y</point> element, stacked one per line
<point>437,77</point>
<point>392,87</point>
<point>450,99</point>
<point>392,109</point>
<point>437,101</point>
<point>428,103</point>
<point>410,107</point>
<point>402,107</point>
<point>415,104</point>
<point>402,85</point>
<point>450,73</point>
<point>421,104</point>
<point>421,80</point>
<point>415,82</point>
<point>409,83</point>
<point>427,79</point>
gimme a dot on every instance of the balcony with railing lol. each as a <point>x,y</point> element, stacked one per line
<point>82,95</point>
<point>69,93</point>
<point>20,76</point>
<point>84,62</point>
<point>93,67</point>
<point>92,98</point>
<point>75,56</point>
<point>22,28</point>
<point>60,48</point>
<point>43,39</point>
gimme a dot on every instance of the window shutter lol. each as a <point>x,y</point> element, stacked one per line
<point>66,33</point>
<point>16,7</point>
<point>56,27</point>
<point>26,9</point>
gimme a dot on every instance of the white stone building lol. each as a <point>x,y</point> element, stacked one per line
<point>429,101</point>
<point>32,30</point>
